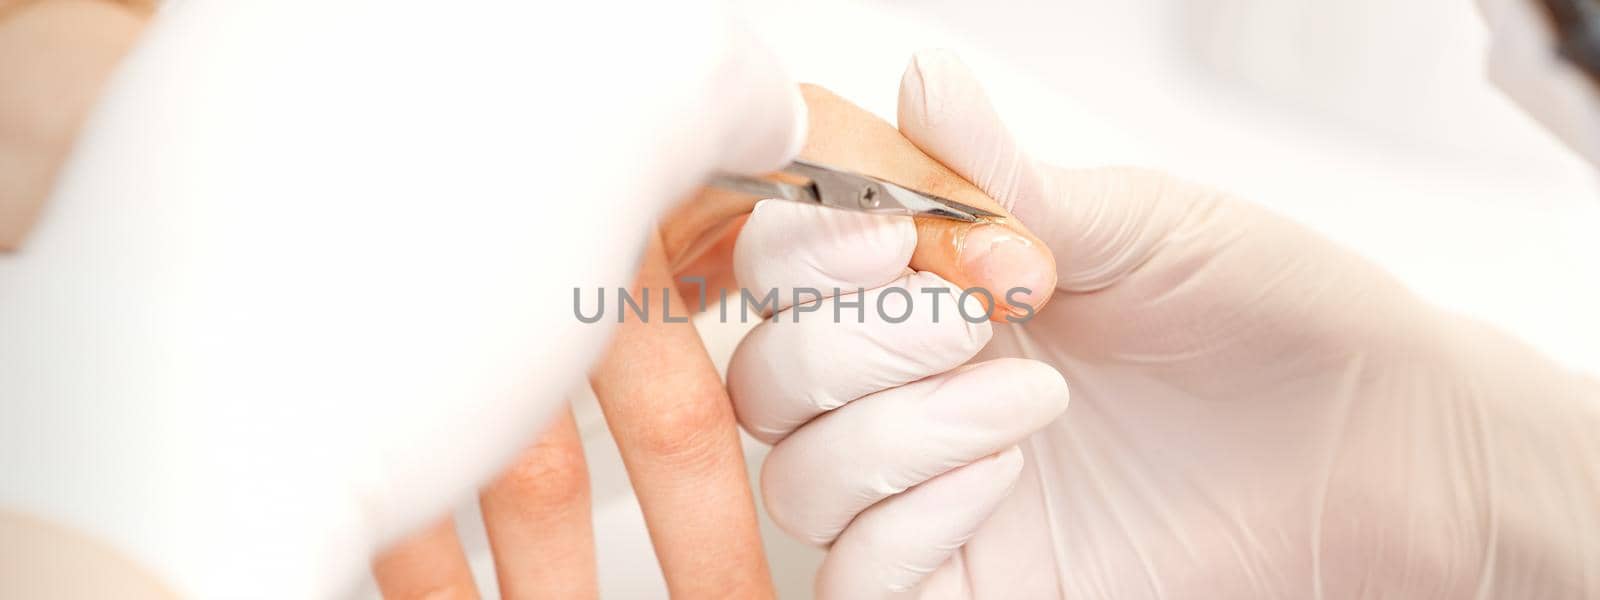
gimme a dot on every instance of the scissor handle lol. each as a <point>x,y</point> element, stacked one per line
<point>765,188</point>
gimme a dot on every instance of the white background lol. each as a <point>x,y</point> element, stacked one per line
<point>1370,120</point>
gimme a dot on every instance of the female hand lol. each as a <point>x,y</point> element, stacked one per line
<point>666,404</point>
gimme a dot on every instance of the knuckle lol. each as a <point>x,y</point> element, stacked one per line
<point>548,475</point>
<point>1031,376</point>
<point>688,431</point>
<point>451,591</point>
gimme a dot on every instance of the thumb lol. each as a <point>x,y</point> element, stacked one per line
<point>944,111</point>
<point>1099,223</point>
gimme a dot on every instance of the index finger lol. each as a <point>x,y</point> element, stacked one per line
<point>673,423</point>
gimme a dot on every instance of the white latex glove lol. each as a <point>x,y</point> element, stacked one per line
<point>308,278</point>
<point>1257,412</point>
<point>884,405</point>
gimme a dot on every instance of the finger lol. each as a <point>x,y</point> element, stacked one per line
<point>537,518</point>
<point>786,245</point>
<point>891,547</point>
<point>994,558</point>
<point>674,426</point>
<point>1098,223</point>
<point>711,260</point>
<point>784,373</point>
<point>995,255</point>
<point>430,564</point>
<point>945,113</point>
<point>824,474</point>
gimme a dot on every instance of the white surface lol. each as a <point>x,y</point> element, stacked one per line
<point>1370,121</point>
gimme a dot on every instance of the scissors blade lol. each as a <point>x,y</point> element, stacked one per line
<point>918,203</point>
<point>851,191</point>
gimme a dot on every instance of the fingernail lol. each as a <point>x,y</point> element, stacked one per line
<point>1001,260</point>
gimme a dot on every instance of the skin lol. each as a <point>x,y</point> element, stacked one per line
<point>39,559</point>
<point>659,391</point>
<point>54,57</point>
<point>541,540</point>
<point>415,569</point>
<point>665,402</point>
<point>847,136</point>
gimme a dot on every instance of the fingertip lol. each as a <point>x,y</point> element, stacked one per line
<point>1039,380</point>
<point>1016,269</point>
<point>1034,394</point>
<point>1010,270</point>
<point>1049,384</point>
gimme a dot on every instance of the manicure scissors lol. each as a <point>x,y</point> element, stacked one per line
<point>838,188</point>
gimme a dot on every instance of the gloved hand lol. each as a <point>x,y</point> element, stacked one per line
<point>1256,411</point>
<point>308,278</point>
<point>668,410</point>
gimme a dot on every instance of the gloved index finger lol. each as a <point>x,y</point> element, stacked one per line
<point>800,253</point>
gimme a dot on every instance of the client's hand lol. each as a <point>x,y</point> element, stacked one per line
<point>666,404</point>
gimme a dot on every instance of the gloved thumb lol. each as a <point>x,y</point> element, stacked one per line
<point>1099,223</point>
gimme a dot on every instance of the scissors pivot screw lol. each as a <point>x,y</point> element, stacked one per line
<point>869,198</point>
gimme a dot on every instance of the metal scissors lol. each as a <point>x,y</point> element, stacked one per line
<point>845,190</point>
